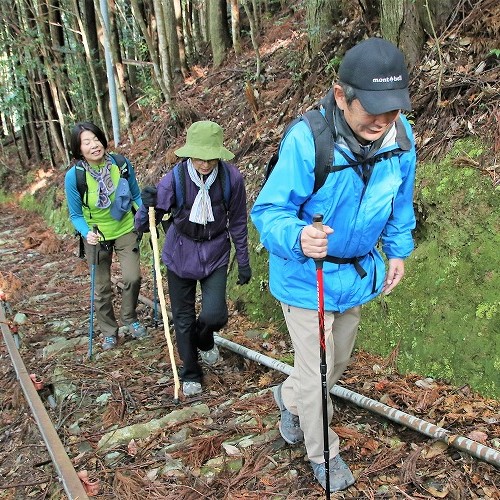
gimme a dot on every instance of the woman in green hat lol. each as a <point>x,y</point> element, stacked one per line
<point>206,199</point>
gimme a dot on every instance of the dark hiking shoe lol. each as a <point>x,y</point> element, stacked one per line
<point>289,424</point>
<point>340,475</point>
<point>109,343</point>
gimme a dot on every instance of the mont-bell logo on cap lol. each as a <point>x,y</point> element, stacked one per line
<point>388,79</point>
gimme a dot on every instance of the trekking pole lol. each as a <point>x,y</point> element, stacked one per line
<point>93,266</point>
<point>161,295</point>
<point>318,224</point>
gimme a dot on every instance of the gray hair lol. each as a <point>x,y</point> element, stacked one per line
<point>349,92</point>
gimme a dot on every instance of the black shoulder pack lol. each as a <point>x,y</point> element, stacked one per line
<point>81,179</point>
<point>324,142</point>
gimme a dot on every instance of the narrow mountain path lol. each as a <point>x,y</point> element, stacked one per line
<point>118,420</point>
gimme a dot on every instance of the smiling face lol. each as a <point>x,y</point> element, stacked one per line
<point>91,148</point>
<point>366,127</point>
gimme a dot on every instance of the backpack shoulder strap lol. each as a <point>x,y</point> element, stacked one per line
<point>274,158</point>
<point>225,180</point>
<point>179,184</point>
<point>122,163</point>
<point>323,145</point>
<point>81,183</point>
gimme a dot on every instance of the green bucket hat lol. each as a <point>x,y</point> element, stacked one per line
<point>204,141</point>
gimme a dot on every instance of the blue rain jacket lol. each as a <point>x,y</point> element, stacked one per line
<point>361,216</point>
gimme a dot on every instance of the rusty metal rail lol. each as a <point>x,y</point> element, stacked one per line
<point>65,470</point>
<point>73,485</point>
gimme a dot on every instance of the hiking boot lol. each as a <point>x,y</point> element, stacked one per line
<point>191,388</point>
<point>340,475</point>
<point>289,424</point>
<point>211,356</point>
<point>109,343</point>
<point>137,330</point>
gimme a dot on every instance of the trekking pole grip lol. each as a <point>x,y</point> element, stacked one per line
<point>318,224</point>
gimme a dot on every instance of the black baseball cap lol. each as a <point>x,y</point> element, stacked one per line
<point>376,69</point>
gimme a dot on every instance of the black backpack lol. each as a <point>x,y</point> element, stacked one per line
<point>324,141</point>
<point>81,179</point>
<point>179,183</point>
<point>81,185</point>
<point>323,131</point>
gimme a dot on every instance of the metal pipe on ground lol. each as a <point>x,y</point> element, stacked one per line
<point>65,470</point>
<point>461,443</point>
<point>145,300</point>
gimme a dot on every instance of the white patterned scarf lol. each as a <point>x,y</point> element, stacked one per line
<point>201,211</point>
<point>105,185</point>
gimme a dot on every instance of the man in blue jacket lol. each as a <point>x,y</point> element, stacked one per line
<point>364,204</point>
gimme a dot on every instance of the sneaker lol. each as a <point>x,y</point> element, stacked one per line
<point>137,330</point>
<point>191,388</point>
<point>340,475</point>
<point>109,343</point>
<point>211,356</point>
<point>289,424</point>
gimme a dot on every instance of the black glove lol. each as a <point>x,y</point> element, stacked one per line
<point>148,196</point>
<point>244,275</point>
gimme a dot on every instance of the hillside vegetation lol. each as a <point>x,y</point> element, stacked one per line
<point>444,319</point>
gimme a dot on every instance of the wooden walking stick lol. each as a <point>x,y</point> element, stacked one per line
<point>161,296</point>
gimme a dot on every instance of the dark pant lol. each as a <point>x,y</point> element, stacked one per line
<point>192,333</point>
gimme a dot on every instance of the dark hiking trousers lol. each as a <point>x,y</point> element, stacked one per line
<point>194,333</point>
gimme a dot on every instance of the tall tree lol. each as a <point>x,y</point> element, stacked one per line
<point>320,17</point>
<point>235,27</point>
<point>106,39</point>
<point>88,37</point>
<point>220,39</point>
<point>171,34</point>
<point>166,68</point>
<point>139,16</point>
<point>400,23</point>
<point>56,86</point>
<point>180,37</point>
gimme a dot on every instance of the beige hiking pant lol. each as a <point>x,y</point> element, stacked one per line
<point>127,251</point>
<point>301,391</point>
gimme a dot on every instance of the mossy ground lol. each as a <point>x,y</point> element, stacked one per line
<point>445,315</point>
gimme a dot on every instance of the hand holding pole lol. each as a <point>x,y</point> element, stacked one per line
<point>318,224</point>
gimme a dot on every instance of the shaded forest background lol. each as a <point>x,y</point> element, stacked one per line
<point>253,70</point>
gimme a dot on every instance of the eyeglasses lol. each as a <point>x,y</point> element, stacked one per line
<point>210,163</point>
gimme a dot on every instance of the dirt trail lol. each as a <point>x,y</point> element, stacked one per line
<point>45,280</point>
